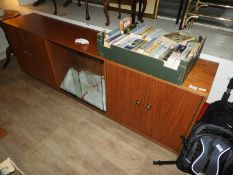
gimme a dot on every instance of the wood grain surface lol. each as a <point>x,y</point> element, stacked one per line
<point>124,89</point>
<point>57,31</point>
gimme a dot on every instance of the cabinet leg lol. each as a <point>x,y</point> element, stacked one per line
<point>9,51</point>
<point>106,4</point>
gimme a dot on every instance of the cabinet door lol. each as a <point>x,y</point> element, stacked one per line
<point>31,53</point>
<point>171,112</point>
<point>125,94</point>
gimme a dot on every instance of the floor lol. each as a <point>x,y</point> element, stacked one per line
<point>50,133</point>
<point>219,43</point>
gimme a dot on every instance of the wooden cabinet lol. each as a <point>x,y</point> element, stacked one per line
<point>152,107</point>
<point>125,95</point>
<point>156,109</point>
<point>171,112</point>
<point>31,53</point>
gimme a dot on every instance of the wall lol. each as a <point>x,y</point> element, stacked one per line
<point>224,73</point>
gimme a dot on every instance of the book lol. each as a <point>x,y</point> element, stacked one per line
<point>166,51</point>
<point>162,51</point>
<point>133,44</point>
<point>125,41</point>
<point>137,28</point>
<point>177,38</point>
<point>125,23</point>
<point>141,30</point>
<point>146,45</point>
<point>113,40</point>
<point>112,33</point>
<point>155,34</point>
<point>145,33</point>
<point>152,48</point>
<point>138,46</point>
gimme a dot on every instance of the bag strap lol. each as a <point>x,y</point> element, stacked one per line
<point>228,166</point>
<point>208,161</point>
<point>198,131</point>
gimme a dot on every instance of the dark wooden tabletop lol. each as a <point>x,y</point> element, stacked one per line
<point>9,14</point>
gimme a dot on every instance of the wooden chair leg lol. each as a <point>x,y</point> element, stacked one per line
<point>119,9</point>
<point>79,3</point>
<point>87,10</point>
<point>143,10</point>
<point>106,4</point>
<point>133,10</point>
<point>55,7</point>
<point>9,51</point>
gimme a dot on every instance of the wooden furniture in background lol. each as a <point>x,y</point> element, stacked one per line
<point>87,8</point>
<point>130,2</point>
<point>133,10</point>
<point>8,14</point>
<point>192,11</point>
<point>154,108</point>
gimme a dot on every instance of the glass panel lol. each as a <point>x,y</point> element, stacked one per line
<point>85,79</point>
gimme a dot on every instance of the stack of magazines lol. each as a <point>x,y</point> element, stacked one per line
<point>168,47</point>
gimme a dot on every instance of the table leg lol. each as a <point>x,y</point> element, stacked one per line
<point>87,10</point>
<point>106,4</point>
<point>140,10</point>
<point>179,11</point>
<point>79,3</point>
<point>133,13</point>
<point>183,19</point>
<point>9,51</point>
<point>55,7</point>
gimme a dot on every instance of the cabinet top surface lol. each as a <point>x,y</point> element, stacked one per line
<point>57,31</point>
<point>9,14</point>
<point>63,33</point>
<point>201,76</point>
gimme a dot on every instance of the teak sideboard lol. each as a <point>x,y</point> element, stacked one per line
<point>158,110</point>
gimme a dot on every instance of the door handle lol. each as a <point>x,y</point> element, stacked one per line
<point>138,102</point>
<point>30,53</point>
<point>148,107</point>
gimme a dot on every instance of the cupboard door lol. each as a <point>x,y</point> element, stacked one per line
<point>31,53</point>
<point>17,43</point>
<point>125,94</point>
<point>38,53</point>
<point>171,112</point>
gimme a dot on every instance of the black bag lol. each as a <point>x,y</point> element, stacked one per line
<point>220,113</point>
<point>208,150</point>
<point>209,147</point>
